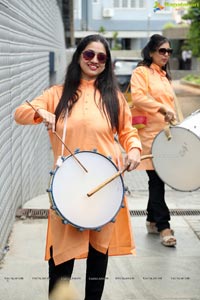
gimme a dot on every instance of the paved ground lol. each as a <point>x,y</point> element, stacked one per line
<point>188,96</point>
<point>155,273</point>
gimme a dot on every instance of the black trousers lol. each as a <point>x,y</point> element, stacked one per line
<point>96,266</point>
<point>157,210</point>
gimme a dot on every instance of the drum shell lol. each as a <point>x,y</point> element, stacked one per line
<point>176,161</point>
<point>192,123</point>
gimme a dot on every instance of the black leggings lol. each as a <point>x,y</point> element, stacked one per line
<point>95,273</point>
<point>157,210</point>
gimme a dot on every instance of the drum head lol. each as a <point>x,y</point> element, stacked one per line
<point>70,185</point>
<point>177,160</point>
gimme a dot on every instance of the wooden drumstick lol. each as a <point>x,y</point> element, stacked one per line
<point>100,186</point>
<point>74,156</point>
<point>167,129</point>
<point>54,132</point>
<point>168,132</point>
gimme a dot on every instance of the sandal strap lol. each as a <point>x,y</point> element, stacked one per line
<point>167,238</point>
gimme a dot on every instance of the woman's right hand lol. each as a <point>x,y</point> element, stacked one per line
<point>49,119</point>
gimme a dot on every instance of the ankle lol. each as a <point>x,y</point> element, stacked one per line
<point>166,232</point>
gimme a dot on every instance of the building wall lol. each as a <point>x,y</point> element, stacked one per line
<point>130,22</point>
<point>29,31</point>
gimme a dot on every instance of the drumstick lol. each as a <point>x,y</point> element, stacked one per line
<point>167,129</point>
<point>54,132</point>
<point>168,132</point>
<point>74,156</point>
<point>100,186</point>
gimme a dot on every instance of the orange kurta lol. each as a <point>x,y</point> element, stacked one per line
<point>87,129</point>
<point>149,90</point>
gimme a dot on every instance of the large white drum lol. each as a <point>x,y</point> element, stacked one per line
<point>177,161</point>
<point>70,184</point>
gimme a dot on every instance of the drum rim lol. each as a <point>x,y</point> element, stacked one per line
<point>160,132</point>
<point>59,213</point>
<point>172,128</point>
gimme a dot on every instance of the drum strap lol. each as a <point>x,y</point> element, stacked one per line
<point>178,109</point>
<point>64,133</point>
<point>117,151</point>
<point>179,115</point>
<point>115,143</point>
<point>59,159</point>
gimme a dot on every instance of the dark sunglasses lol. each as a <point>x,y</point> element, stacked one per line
<point>163,51</point>
<point>90,54</point>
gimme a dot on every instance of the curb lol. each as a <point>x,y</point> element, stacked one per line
<point>185,82</point>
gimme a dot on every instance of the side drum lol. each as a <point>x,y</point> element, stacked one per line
<point>177,161</point>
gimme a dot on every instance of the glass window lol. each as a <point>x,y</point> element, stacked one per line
<point>128,3</point>
<point>125,3</point>
<point>133,3</point>
<point>141,3</point>
<point>116,3</point>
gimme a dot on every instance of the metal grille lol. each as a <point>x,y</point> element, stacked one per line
<point>173,212</point>
<point>29,31</point>
<point>43,213</point>
<point>32,213</point>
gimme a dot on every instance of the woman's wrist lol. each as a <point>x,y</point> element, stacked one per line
<point>37,114</point>
<point>134,148</point>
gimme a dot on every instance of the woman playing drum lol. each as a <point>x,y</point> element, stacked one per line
<point>93,110</point>
<point>153,98</point>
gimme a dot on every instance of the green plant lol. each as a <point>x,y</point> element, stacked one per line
<point>117,45</point>
<point>102,30</point>
<point>192,78</point>
<point>194,33</point>
<point>168,25</point>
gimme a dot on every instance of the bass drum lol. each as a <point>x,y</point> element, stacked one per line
<point>177,161</point>
<point>70,184</point>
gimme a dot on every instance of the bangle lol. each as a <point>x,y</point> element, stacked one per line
<point>135,148</point>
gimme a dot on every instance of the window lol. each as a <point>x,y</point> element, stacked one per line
<point>128,3</point>
<point>141,3</point>
<point>116,3</point>
<point>124,3</point>
<point>133,3</point>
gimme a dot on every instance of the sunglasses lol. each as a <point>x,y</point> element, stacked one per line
<point>90,54</point>
<point>163,51</point>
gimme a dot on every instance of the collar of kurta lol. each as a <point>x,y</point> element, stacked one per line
<point>158,69</point>
<point>85,82</point>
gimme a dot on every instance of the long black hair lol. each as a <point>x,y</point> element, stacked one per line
<point>154,43</point>
<point>105,82</point>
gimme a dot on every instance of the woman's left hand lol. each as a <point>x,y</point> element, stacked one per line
<point>170,116</point>
<point>132,159</point>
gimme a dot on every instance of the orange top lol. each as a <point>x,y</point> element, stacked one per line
<point>87,129</point>
<point>150,89</point>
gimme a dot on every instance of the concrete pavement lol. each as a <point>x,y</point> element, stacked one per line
<point>155,273</point>
<point>188,97</point>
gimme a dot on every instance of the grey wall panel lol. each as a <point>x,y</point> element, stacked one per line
<point>29,31</point>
